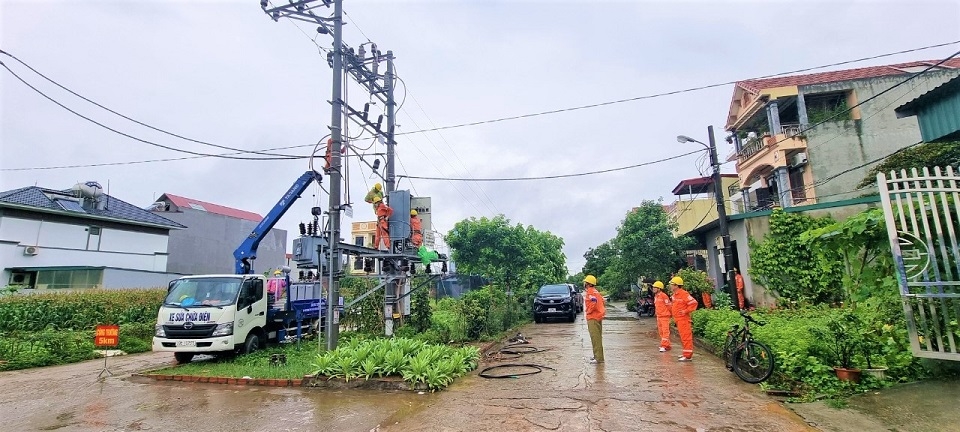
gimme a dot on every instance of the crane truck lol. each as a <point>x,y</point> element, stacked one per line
<point>228,313</point>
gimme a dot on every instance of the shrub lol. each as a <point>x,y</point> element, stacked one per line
<point>78,310</point>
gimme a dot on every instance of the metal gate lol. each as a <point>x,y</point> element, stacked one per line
<point>922,212</point>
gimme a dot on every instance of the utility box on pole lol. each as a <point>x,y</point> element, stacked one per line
<point>399,201</point>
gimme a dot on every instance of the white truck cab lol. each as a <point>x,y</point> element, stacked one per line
<point>212,314</point>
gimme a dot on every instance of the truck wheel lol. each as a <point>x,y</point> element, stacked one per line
<point>183,357</point>
<point>252,344</point>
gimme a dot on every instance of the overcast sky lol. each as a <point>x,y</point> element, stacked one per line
<point>224,73</point>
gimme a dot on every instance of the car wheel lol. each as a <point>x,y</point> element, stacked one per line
<point>252,343</point>
<point>573,316</point>
<point>183,357</point>
<point>537,319</point>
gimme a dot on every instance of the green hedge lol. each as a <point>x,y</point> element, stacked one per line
<point>802,362</point>
<point>78,310</point>
<point>27,349</point>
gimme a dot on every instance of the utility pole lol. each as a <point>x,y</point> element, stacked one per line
<point>722,215</point>
<point>336,125</point>
<point>391,290</point>
<point>356,63</point>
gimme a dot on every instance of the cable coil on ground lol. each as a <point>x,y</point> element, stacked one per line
<point>538,368</point>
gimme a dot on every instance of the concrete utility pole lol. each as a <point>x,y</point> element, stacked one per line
<point>336,125</point>
<point>722,216</point>
<point>721,210</point>
<point>344,60</point>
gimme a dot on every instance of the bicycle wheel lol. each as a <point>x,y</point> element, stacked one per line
<point>728,347</point>
<point>753,362</point>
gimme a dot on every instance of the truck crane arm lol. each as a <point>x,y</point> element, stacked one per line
<point>247,252</point>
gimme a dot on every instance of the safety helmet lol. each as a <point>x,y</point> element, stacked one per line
<point>277,273</point>
<point>590,279</point>
<point>378,186</point>
<point>413,212</point>
<point>658,284</point>
<point>377,199</point>
<point>677,280</point>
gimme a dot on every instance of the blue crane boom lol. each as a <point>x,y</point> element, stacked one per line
<point>247,252</point>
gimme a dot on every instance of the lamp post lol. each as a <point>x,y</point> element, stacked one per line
<point>721,210</point>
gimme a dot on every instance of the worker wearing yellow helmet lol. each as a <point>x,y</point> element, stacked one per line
<point>661,305</point>
<point>375,191</point>
<point>683,305</point>
<point>416,229</point>
<point>595,310</point>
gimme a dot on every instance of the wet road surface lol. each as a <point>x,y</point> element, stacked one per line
<point>637,389</point>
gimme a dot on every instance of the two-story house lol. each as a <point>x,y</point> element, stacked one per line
<point>81,238</point>
<point>798,138</point>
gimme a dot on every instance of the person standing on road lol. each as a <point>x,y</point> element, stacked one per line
<point>683,305</point>
<point>661,303</point>
<point>595,311</point>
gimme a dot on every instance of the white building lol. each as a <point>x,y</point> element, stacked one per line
<point>80,238</point>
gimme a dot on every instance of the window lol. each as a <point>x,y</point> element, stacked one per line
<point>250,293</point>
<point>798,189</point>
<point>358,240</point>
<point>196,206</point>
<point>69,279</point>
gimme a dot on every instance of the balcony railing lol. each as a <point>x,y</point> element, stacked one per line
<point>791,130</point>
<point>750,148</point>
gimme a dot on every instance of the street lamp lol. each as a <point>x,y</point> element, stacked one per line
<point>721,210</point>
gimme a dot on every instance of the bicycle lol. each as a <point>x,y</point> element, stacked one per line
<point>751,360</point>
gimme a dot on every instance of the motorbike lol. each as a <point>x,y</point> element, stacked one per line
<point>645,305</point>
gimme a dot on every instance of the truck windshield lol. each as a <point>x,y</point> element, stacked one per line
<point>203,292</point>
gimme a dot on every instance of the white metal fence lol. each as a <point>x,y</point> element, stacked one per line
<point>921,211</point>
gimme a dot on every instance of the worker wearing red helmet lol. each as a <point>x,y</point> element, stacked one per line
<point>683,305</point>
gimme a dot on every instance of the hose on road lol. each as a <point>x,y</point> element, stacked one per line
<point>537,369</point>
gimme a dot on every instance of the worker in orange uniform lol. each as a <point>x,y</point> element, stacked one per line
<point>661,305</point>
<point>329,156</point>
<point>384,212</point>
<point>595,309</point>
<point>683,305</point>
<point>739,281</point>
<point>416,229</point>
<point>375,191</point>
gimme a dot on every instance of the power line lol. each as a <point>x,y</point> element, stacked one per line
<point>136,138</point>
<point>126,117</point>
<point>670,93</point>
<point>559,175</point>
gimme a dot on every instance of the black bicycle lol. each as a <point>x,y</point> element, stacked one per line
<point>751,360</point>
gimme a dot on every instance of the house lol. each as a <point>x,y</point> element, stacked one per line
<point>696,202</point>
<point>81,238</point>
<point>937,112</point>
<point>213,232</point>
<point>796,137</point>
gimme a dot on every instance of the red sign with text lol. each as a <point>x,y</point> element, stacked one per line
<point>107,336</point>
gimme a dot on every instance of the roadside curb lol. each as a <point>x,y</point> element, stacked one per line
<point>269,382</point>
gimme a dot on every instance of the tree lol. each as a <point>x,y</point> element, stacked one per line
<point>516,257</point>
<point>924,155</point>
<point>646,242</point>
<point>600,258</point>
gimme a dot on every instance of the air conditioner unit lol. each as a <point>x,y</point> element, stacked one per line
<point>799,159</point>
<point>31,250</point>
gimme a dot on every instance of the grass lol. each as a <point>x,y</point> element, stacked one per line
<point>257,365</point>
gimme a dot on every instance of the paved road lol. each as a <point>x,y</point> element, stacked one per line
<point>638,389</point>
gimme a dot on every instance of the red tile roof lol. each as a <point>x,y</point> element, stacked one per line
<point>184,202</point>
<point>756,85</point>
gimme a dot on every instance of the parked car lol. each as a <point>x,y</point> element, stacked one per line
<point>554,301</point>
<point>577,294</point>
